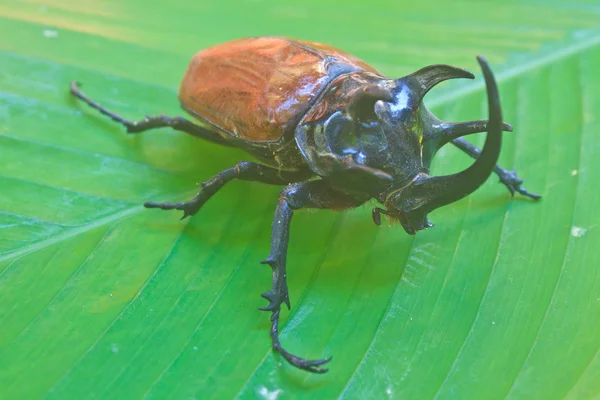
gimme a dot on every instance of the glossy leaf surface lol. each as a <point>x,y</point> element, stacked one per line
<point>100,298</point>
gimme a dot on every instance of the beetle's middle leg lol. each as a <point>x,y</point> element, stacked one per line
<point>245,170</point>
<point>508,178</point>
<point>312,194</point>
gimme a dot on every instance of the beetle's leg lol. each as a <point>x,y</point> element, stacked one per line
<point>177,123</point>
<point>453,132</point>
<point>313,194</point>
<point>245,170</point>
<point>508,178</point>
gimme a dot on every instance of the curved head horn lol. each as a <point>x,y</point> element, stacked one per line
<point>428,193</point>
<point>426,78</point>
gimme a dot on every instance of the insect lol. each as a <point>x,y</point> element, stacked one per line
<point>334,131</point>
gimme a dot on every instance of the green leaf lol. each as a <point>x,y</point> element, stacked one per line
<point>100,298</point>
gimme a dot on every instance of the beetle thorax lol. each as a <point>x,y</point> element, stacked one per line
<point>351,123</point>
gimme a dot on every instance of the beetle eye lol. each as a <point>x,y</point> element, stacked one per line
<point>362,102</point>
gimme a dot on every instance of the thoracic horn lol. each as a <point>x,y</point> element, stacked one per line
<point>426,78</point>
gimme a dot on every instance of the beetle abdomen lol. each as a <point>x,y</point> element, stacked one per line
<point>255,88</point>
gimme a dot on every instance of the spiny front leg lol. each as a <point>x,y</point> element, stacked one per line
<point>278,294</point>
<point>312,194</point>
<point>507,177</point>
<point>513,183</point>
<point>454,132</point>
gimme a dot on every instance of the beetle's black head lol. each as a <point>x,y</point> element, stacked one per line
<point>409,202</point>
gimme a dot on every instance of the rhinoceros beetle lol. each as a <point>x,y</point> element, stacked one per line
<point>333,130</point>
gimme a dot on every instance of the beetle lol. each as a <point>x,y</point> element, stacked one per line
<point>333,130</point>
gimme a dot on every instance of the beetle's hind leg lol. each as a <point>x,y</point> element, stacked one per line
<point>312,194</point>
<point>177,123</point>
<point>454,132</point>
<point>508,178</point>
<point>244,170</point>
